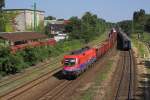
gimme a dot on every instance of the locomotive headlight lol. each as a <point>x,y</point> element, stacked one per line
<point>73,60</point>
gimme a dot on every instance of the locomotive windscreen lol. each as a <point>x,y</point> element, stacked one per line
<point>70,61</point>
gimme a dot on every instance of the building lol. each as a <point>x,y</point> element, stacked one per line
<point>18,38</point>
<point>46,22</point>
<point>22,40</point>
<point>59,37</point>
<point>26,18</point>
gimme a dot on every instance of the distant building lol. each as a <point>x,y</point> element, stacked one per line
<point>59,37</point>
<point>18,38</point>
<point>57,28</point>
<point>24,21</point>
<point>46,22</point>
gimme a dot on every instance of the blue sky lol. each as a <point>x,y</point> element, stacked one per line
<point>110,10</point>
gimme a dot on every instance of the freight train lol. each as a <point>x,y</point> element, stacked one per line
<point>125,41</point>
<point>78,61</point>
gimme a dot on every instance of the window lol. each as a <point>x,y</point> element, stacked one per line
<point>70,62</point>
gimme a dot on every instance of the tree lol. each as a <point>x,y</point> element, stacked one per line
<point>86,28</point>
<point>74,28</point>
<point>139,20</point>
<point>50,18</point>
<point>147,25</point>
<point>126,25</point>
<point>2,4</point>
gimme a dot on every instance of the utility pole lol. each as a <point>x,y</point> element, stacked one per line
<point>35,18</point>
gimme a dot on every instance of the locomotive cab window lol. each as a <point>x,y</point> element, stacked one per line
<point>70,62</point>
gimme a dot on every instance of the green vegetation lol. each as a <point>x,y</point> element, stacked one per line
<point>146,36</point>
<point>7,21</point>
<point>12,63</point>
<point>139,24</point>
<point>140,46</point>
<point>50,18</point>
<point>126,26</point>
<point>2,4</point>
<point>86,28</point>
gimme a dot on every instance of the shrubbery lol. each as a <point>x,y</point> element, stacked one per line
<point>13,63</point>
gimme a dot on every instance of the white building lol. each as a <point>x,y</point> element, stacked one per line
<point>60,36</point>
<point>24,20</point>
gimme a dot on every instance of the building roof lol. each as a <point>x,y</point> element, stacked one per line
<point>21,36</point>
<point>23,10</point>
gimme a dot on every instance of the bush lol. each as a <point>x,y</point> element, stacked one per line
<point>10,63</point>
<point>30,56</point>
<point>13,63</point>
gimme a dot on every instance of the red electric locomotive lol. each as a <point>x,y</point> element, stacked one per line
<point>78,61</point>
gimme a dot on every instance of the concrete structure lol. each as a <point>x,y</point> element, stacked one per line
<point>24,20</point>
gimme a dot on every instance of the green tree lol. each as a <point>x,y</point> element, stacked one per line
<point>139,20</point>
<point>2,4</point>
<point>86,28</point>
<point>126,25</point>
<point>50,18</point>
<point>147,25</point>
<point>74,28</point>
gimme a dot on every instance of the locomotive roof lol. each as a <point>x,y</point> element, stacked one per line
<point>124,36</point>
<point>80,50</point>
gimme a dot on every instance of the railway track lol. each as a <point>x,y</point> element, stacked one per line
<point>8,81</point>
<point>26,86</point>
<point>36,68</point>
<point>21,79</point>
<point>126,82</point>
<point>29,85</point>
<point>67,88</point>
<point>59,88</point>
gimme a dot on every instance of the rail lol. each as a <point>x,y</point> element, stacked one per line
<point>125,88</point>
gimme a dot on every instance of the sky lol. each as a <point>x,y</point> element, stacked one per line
<point>110,10</point>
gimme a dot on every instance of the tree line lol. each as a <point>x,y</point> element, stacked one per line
<point>139,24</point>
<point>85,28</point>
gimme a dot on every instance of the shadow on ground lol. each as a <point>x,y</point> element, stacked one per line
<point>59,75</point>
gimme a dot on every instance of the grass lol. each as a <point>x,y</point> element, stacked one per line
<point>142,49</point>
<point>100,77</point>
<point>146,36</point>
<point>98,39</point>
